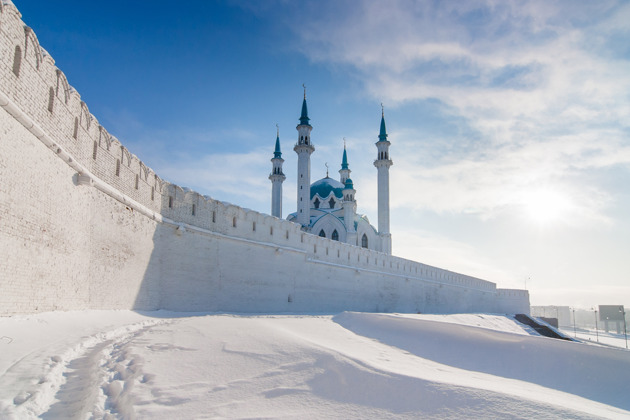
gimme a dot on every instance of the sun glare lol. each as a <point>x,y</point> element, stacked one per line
<point>546,206</point>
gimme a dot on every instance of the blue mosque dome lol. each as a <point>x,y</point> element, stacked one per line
<point>325,186</point>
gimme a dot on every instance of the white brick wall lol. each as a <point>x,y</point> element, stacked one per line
<point>112,245</point>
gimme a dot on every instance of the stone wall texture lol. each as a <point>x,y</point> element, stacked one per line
<point>84,224</point>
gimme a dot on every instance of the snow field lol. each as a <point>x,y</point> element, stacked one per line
<point>121,364</point>
<point>37,365</point>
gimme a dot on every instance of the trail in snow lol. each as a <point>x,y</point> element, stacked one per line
<point>56,354</point>
<point>100,381</point>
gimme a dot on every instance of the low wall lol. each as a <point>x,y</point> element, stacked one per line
<point>85,224</point>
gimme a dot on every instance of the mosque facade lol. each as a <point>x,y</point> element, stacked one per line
<point>328,207</point>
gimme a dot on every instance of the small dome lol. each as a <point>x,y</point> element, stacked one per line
<point>325,186</point>
<point>349,184</point>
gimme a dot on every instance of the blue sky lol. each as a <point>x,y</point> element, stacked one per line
<point>509,120</point>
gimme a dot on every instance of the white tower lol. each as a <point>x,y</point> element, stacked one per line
<point>382,163</point>
<point>349,211</point>
<point>304,148</point>
<point>277,178</point>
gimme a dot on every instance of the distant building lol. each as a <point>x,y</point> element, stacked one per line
<point>561,313</point>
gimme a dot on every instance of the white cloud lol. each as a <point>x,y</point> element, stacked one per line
<point>546,104</point>
<point>497,180</point>
<point>223,174</point>
<point>449,254</point>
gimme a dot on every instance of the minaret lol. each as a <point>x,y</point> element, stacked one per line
<point>382,163</point>
<point>344,172</point>
<point>349,211</point>
<point>277,178</point>
<point>304,148</point>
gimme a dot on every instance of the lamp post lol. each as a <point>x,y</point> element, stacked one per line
<point>596,330</point>
<point>557,317</point>
<point>625,331</point>
<point>574,329</point>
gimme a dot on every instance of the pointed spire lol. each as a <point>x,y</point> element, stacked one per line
<point>277,153</point>
<point>382,136</point>
<point>304,117</point>
<point>344,160</point>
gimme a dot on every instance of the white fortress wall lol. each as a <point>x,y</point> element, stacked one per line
<point>512,301</point>
<point>85,224</point>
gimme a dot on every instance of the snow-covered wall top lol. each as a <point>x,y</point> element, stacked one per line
<point>37,94</point>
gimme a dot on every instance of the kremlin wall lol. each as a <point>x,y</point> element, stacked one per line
<point>85,224</point>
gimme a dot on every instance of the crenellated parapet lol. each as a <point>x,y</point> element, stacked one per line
<point>30,80</point>
<point>31,83</point>
<point>512,301</point>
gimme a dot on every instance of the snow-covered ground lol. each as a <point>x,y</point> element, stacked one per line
<point>596,337</point>
<point>123,364</point>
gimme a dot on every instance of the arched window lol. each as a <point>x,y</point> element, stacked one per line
<point>331,203</point>
<point>335,235</point>
<point>316,203</point>
<point>322,233</point>
<point>17,60</point>
<point>364,241</point>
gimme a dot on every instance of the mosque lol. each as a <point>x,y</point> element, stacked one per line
<point>328,207</point>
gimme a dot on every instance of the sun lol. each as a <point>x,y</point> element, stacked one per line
<point>546,206</point>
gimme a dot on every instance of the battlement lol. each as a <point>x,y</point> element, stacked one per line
<point>31,81</point>
<point>38,95</point>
